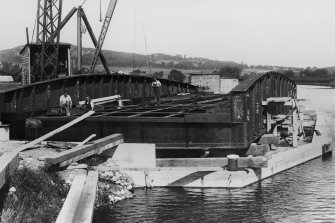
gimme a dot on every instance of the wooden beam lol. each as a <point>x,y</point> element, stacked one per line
<point>278,99</point>
<point>243,162</point>
<point>86,140</point>
<point>9,161</point>
<point>67,157</point>
<point>85,210</point>
<point>101,100</point>
<point>70,206</point>
<point>54,132</point>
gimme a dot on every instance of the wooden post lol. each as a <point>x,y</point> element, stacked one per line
<point>295,128</point>
<point>268,120</point>
<point>79,39</point>
<point>86,140</point>
<point>27,35</point>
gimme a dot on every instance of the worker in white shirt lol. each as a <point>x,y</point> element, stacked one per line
<point>65,104</point>
<point>156,86</point>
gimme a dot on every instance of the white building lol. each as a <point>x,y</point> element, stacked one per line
<point>214,82</point>
<point>6,78</point>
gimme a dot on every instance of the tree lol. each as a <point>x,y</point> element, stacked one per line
<point>288,73</point>
<point>321,73</point>
<point>230,71</point>
<point>176,75</point>
<point>136,72</point>
<point>159,74</point>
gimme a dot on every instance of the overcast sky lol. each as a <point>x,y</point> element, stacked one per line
<point>267,32</point>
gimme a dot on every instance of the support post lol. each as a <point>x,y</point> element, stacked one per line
<point>295,128</point>
<point>268,121</point>
<point>95,42</point>
<point>79,39</point>
<point>27,33</point>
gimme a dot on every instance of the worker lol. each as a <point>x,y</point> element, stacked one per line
<point>65,104</point>
<point>156,86</point>
<point>89,104</point>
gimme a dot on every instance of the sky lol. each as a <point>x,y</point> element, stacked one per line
<point>299,33</point>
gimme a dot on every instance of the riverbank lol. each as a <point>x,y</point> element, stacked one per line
<point>36,194</point>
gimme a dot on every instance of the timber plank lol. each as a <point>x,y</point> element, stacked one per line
<point>70,206</point>
<point>9,161</point>
<point>84,151</point>
<point>44,137</point>
<point>86,204</point>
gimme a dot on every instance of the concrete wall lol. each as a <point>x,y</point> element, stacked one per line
<point>214,83</point>
<point>133,155</point>
<point>227,85</point>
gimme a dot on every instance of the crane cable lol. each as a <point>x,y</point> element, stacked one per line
<point>134,40</point>
<point>100,13</point>
<point>83,3</point>
<point>146,46</point>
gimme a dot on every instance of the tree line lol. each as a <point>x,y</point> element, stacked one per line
<point>9,69</point>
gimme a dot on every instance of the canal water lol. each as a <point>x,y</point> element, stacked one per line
<point>305,193</point>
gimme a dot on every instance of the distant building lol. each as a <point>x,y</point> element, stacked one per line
<point>6,78</point>
<point>31,67</point>
<point>214,82</point>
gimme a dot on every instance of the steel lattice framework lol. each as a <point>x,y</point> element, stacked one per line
<point>103,33</point>
<point>48,25</point>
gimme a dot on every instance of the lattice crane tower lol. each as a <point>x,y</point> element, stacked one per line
<point>49,14</point>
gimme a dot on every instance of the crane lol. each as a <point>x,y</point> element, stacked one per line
<point>103,33</point>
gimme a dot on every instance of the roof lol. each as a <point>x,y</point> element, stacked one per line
<point>40,45</point>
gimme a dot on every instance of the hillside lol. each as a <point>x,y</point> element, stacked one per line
<point>124,59</point>
<point>11,55</point>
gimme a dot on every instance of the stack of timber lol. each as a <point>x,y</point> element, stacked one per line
<point>80,152</point>
<point>52,133</point>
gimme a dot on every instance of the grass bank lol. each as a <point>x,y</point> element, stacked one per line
<point>39,197</point>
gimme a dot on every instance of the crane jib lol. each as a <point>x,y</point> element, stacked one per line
<point>103,33</point>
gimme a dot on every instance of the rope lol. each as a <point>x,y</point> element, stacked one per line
<point>134,43</point>
<point>83,3</point>
<point>146,46</point>
<point>100,13</point>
